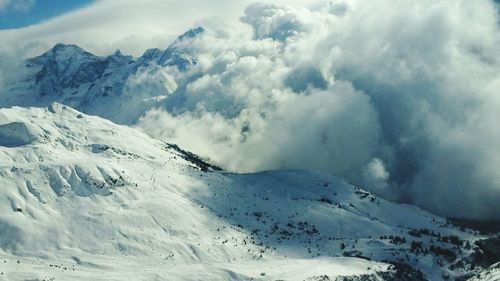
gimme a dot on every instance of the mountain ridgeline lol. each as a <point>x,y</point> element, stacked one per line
<point>73,76</point>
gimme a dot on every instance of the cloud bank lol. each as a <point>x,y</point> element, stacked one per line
<point>400,97</point>
<point>129,25</point>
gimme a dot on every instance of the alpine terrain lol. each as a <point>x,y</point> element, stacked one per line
<point>83,198</point>
<point>70,75</point>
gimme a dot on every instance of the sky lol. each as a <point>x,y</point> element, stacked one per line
<point>21,13</point>
<point>106,25</point>
<point>359,89</point>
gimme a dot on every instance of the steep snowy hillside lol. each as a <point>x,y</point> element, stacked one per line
<point>84,199</point>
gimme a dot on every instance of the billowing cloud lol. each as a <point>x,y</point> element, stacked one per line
<point>397,96</point>
<point>376,174</point>
<point>401,101</point>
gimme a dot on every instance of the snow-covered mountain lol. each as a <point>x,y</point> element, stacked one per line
<point>70,75</point>
<point>82,198</point>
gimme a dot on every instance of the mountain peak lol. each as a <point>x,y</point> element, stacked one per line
<point>60,52</point>
<point>66,49</point>
<point>61,46</point>
<point>117,53</point>
<point>151,54</point>
<point>192,33</point>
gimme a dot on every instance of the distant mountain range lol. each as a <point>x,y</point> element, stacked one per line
<point>70,75</point>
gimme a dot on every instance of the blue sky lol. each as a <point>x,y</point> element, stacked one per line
<point>20,13</point>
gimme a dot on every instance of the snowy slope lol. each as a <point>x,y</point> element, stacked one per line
<point>84,199</point>
<point>490,274</point>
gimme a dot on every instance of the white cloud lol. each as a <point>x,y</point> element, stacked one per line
<point>129,25</point>
<point>398,96</point>
<point>376,174</point>
<point>368,95</point>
